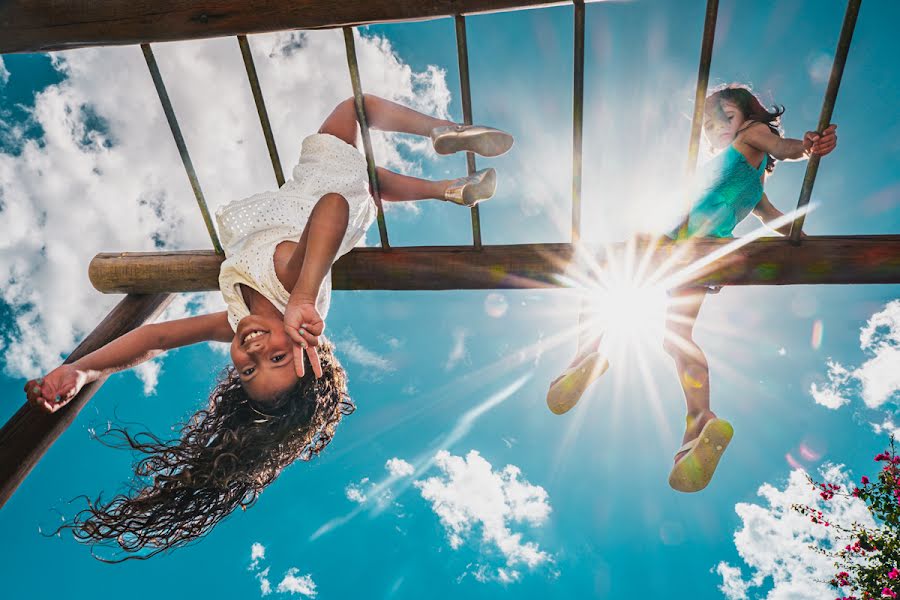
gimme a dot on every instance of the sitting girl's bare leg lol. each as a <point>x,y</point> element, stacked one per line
<point>382,114</point>
<point>690,361</point>
<point>400,188</point>
<point>390,116</point>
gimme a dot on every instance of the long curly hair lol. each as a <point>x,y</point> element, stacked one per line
<point>225,456</point>
<point>750,105</point>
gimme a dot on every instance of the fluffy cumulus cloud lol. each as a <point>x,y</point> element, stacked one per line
<point>775,541</point>
<point>835,392</point>
<point>877,380</point>
<point>106,175</point>
<point>292,583</point>
<point>265,586</point>
<point>257,553</point>
<point>4,73</point>
<point>380,493</point>
<point>469,496</point>
<point>399,467</point>
<point>355,491</point>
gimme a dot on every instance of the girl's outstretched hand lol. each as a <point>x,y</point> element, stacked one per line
<point>304,325</point>
<point>56,389</point>
<point>820,144</point>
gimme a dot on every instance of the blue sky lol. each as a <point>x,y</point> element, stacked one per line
<point>603,518</point>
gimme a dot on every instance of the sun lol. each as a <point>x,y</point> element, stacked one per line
<point>627,315</point>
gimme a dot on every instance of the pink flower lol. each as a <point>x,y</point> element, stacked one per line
<point>893,573</point>
<point>864,480</point>
<point>888,593</point>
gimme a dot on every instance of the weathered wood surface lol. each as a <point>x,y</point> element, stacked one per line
<point>44,25</point>
<point>30,432</point>
<point>767,261</point>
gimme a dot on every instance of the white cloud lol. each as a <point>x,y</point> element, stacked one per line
<point>880,377</point>
<point>303,585</point>
<point>833,394</point>
<point>354,491</point>
<point>148,373</point>
<point>355,352</point>
<point>458,352</point>
<point>106,175</point>
<point>399,467</point>
<point>886,426</point>
<point>774,540</point>
<point>290,584</point>
<point>877,380</point>
<point>257,553</point>
<point>470,494</point>
<point>354,494</point>
<point>389,487</point>
<point>4,73</point>
<point>265,586</point>
<point>485,573</point>
<point>733,584</point>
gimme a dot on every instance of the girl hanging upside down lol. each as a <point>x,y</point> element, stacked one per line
<point>286,392</point>
<point>747,141</point>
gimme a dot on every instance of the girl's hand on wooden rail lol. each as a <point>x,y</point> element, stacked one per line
<point>820,144</point>
<point>57,388</point>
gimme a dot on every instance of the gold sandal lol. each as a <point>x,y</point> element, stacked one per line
<point>694,470</point>
<point>566,390</point>
<point>485,141</point>
<point>469,191</point>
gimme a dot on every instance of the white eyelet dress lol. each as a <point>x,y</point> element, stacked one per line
<point>250,229</point>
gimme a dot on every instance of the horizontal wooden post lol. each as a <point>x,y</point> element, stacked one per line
<point>44,25</point>
<point>30,432</point>
<point>766,261</point>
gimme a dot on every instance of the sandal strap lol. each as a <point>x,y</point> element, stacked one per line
<point>688,446</point>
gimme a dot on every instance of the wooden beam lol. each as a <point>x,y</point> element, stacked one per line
<point>45,25</point>
<point>766,261</point>
<point>30,432</point>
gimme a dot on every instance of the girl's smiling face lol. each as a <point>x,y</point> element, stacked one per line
<point>722,121</point>
<point>263,356</point>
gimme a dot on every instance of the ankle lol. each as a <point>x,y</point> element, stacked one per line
<point>698,416</point>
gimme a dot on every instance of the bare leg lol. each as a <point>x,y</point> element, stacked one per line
<point>400,188</point>
<point>588,338</point>
<point>389,116</point>
<point>690,361</point>
<point>382,114</point>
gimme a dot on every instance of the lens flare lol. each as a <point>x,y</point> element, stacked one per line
<point>818,330</point>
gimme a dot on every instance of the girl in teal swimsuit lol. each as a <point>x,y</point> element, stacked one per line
<point>747,140</point>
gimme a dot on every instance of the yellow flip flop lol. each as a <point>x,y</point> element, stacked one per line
<point>694,470</point>
<point>566,391</point>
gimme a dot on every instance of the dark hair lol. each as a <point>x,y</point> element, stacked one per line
<point>752,108</point>
<point>227,453</point>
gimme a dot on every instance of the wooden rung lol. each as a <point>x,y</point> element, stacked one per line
<point>767,261</point>
<point>45,25</point>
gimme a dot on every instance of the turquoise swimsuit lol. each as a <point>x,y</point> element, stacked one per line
<point>732,189</point>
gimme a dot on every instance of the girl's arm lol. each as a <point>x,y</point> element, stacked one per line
<point>137,346</point>
<point>324,233</point>
<point>759,136</point>
<point>151,340</point>
<point>766,212</point>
